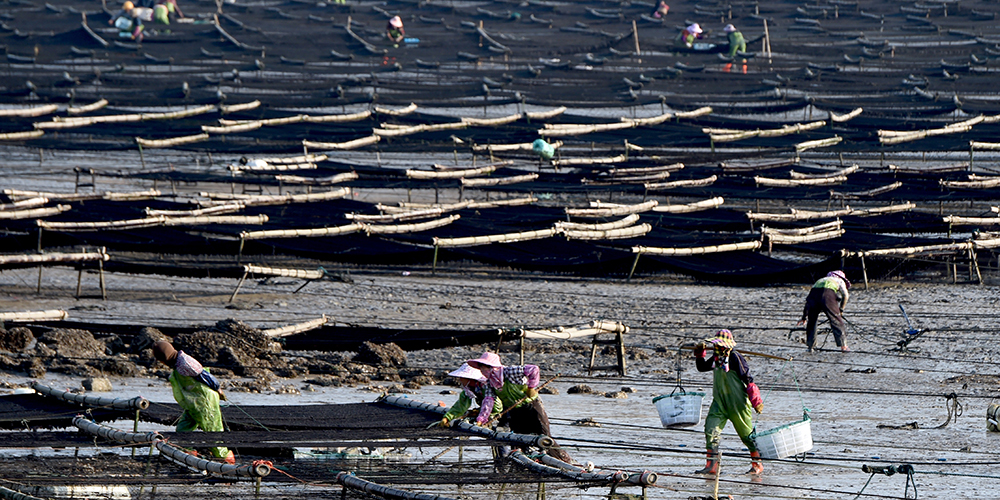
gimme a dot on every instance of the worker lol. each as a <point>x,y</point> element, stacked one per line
<point>163,9</point>
<point>661,9</point>
<point>394,30</point>
<point>736,44</point>
<point>516,388</point>
<point>733,395</point>
<point>829,294</point>
<point>197,392</point>
<point>474,390</point>
<point>689,35</point>
<point>129,21</point>
<point>736,41</point>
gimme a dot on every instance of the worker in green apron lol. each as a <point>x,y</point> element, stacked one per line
<point>733,395</point>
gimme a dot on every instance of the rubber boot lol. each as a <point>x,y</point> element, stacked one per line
<point>711,462</point>
<point>756,466</point>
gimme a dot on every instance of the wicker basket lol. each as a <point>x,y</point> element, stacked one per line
<point>784,441</point>
<point>679,409</point>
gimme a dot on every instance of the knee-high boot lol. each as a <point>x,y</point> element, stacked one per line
<point>756,466</point>
<point>711,462</point>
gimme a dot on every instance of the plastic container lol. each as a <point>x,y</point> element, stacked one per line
<point>543,149</point>
<point>679,409</point>
<point>784,441</point>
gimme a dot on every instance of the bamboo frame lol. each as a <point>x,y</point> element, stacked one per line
<point>302,233</point>
<point>296,328</point>
<point>662,186</point>
<point>608,234</point>
<point>468,241</point>
<point>685,208</point>
<point>604,226</point>
<point>410,228</point>
<point>611,210</point>
<point>352,144</point>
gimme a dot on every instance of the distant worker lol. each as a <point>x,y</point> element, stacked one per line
<point>661,9</point>
<point>196,392</point>
<point>829,295</point>
<point>516,388</point>
<point>394,30</point>
<point>163,9</point>
<point>734,393</point>
<point>129,21</point>
<point>474,390</point>
<point>688,35</point>
<point>736,41</point>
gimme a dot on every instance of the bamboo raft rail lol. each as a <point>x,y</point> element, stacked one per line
<point>54,257</point>
<point>611,210</point>
<point>305,326</point>
<point>27,316</point>
<point>352,144</point>
<point>136,403</point>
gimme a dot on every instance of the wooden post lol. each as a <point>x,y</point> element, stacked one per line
<point>767,42</point>
<point>142,157</point>
<point>864,271</point>
<point>135,425</point>
<point>100,268</point>
<point>79,279</point>
<point>635,36</point>
<point>38,289</point>
<point>621,354</point>
<point>522,349</point>
<point>246,271</point>
<point>434,264</point>
<point>632,271</point>
<point>975,265</point>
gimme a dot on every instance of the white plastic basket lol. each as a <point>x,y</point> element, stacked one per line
<point>784,441</point>
<point>680,409</point>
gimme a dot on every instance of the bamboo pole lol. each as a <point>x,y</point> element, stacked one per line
<point>635,36</point>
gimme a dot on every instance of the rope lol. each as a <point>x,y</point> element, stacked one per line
<point>955,408</point>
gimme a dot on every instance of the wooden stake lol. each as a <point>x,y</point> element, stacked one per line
<point>635,36</point>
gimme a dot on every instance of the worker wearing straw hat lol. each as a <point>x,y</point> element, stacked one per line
<point>474,389</point>
<point>197,393</point>
<point>689,35</point>
<point>733,395</point>
<point>394,30</point>
<point>516,388</point>
<point>829,295</point>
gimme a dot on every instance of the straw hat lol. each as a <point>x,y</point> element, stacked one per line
<point>466,371</point>
<point>723,339</point>
<point>396,22</point>
<point>488,359</point>
<point>841,275</point>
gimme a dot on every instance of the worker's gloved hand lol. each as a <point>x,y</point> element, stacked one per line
<point>222,396</point>
<point>759,408</point>
<point>443,422</point>
<point>531,393</point>
<point>699,350</point>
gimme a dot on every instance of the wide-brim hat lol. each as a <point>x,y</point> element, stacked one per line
<point>694,28</point>
<point>723,339</point>
<point>396,22</point>
<point>488,359</point>
<point>466,371</point>
<point>729,28</point>
<point>841,275</point>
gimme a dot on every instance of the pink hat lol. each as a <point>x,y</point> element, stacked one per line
<point>729,28</point>
<point>466,371</point>
<point>694,28</point>
<point>488,359</point>
<point>396,22</point>
<point>841,275</point>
